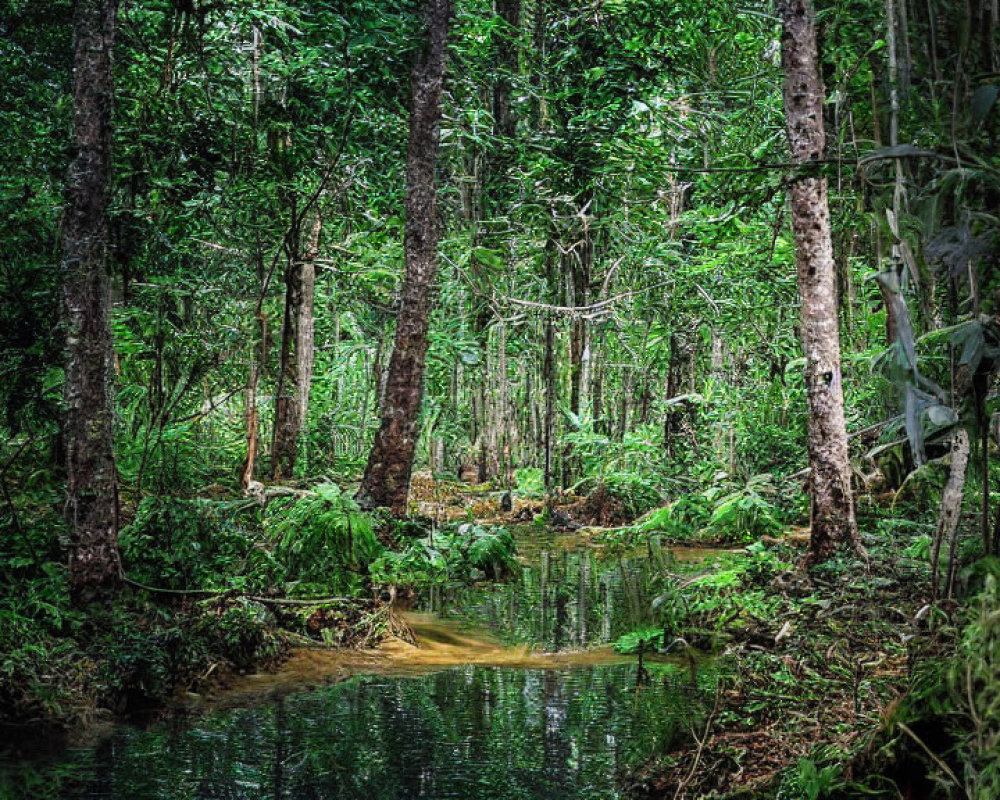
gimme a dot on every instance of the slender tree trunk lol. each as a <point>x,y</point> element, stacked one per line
<point>627,388</point>
<point>295,372</point>
<point>252,416</point>
<point>597,387</point>
<point>509,12</point>
<point>579,263</point>
<point>505,422</point>
<point>549,382</point>
<point>386,480</point>
<point>92,481</point>
<point>495,200</point>
<point>305,342</point>
<point>833,520</point>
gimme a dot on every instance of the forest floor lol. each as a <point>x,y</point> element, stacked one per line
<point>808,696</point>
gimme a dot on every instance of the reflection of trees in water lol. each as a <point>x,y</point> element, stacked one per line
<point>474,733</point>
<point>570,600</point>
<point>555,761</point>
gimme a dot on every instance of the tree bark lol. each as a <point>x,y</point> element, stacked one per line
<point>951,511</point>
<point>833,520</point>
<point>579,269</point>
<point>509,12</point>
<point>597,386</point>
<point>386,481</point>
<point>92,481</point>
<point>296,360</point>
<point>258,357</point>
<point>549,384</point>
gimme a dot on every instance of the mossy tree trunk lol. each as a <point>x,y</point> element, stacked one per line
<point>92,481</point>
<point>386,481</point>
<point>832,515</point>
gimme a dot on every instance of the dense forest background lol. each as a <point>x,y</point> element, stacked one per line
<point>612,182</point>
<point>613,315</point>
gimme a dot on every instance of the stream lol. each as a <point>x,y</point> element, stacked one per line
<point>512,692</point>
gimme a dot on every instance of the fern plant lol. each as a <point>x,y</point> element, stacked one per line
<point>746,513</point>
<point>323,540</point>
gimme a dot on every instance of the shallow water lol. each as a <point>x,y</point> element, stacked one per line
<point>511,695</point>
<point>571,597</point>
<point>466,732</point>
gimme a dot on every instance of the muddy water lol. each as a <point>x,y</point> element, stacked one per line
<point>510,693</point>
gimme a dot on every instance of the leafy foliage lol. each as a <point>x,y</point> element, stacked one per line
<point>458,554</point>
<point>708,608</point>
<point>720,514</point>
<point>975,680</point>
<point>196,544</point>
<point>648,639</point>
<point>145,660</point>
<point>635,493</point>
<point>323,540</point>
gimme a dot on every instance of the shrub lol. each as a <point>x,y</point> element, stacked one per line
<point>44,675</point>
<point>46,680</point>
<point>975,679</point>
<point>145,661</point>
<point>195,544</point>
<point>530,481</point>
<point>746,513</point>
<point>634,493</point>
<point>719,514</point>
<point>459,554</point>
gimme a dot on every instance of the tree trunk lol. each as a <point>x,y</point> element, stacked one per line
<point>579,262</point>
<point>258,358</point>
<point>92,481</point>
<point>386,480</point>
<point>509,12</point>
<point>295,372</point>
<point>833,520</point>
<point>549,382</point>
<point>597,388</point>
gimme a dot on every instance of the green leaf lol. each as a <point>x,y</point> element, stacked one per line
<point>491,258</point>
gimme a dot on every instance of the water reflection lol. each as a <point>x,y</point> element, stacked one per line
<point>565,600</point>
<point>511,723</point>
<point>469,732</point>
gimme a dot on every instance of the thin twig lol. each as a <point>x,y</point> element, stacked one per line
<point>933,757</point>
<point>278,601</point>
<point>290,601</point>
<point>701,744</point>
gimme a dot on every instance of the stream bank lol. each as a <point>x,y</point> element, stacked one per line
<point>798,691</point>
<point>475,709</point>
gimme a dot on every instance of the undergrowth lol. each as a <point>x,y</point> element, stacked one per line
<point>721,514</point>
<point>706,611</point>
<point>456,554</point>
<point>208,580</point>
